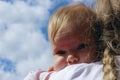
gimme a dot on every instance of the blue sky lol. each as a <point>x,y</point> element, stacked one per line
<point>24,45</point>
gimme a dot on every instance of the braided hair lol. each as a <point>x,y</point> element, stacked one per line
<point>108,19</point>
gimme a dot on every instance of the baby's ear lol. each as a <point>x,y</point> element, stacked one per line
<point>51,69</point>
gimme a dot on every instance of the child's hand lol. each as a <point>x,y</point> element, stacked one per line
<point>51,69</point>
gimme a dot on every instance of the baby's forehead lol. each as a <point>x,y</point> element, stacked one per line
<point>73,29</point>
<point>69,34</point>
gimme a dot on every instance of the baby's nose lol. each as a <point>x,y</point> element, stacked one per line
<point>71,59</point>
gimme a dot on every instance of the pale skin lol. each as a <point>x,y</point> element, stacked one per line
<point>71,48</point>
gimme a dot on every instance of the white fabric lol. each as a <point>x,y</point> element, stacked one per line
<point>84,71</point>
<point>37,75</point>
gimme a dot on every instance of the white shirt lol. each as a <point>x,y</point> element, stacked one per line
<point>83,71</point>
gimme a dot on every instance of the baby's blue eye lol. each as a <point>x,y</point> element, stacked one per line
<point>61,52</point>
<point>81,46</point>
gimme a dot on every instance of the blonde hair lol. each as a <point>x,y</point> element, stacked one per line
<point>69,18</point>
<point>108,15</point>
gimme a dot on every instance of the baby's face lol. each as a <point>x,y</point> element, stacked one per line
<point>72,49</point>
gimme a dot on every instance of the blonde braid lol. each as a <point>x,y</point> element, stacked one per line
<point>108,62</point>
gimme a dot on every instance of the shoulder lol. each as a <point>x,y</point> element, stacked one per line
<point>84,71</point>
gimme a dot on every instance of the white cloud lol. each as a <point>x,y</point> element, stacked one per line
<point>21,37</point>
<point>21,12</point>
<point>6,75</point>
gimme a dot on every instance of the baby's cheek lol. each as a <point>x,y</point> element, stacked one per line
<point>59,63</point>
